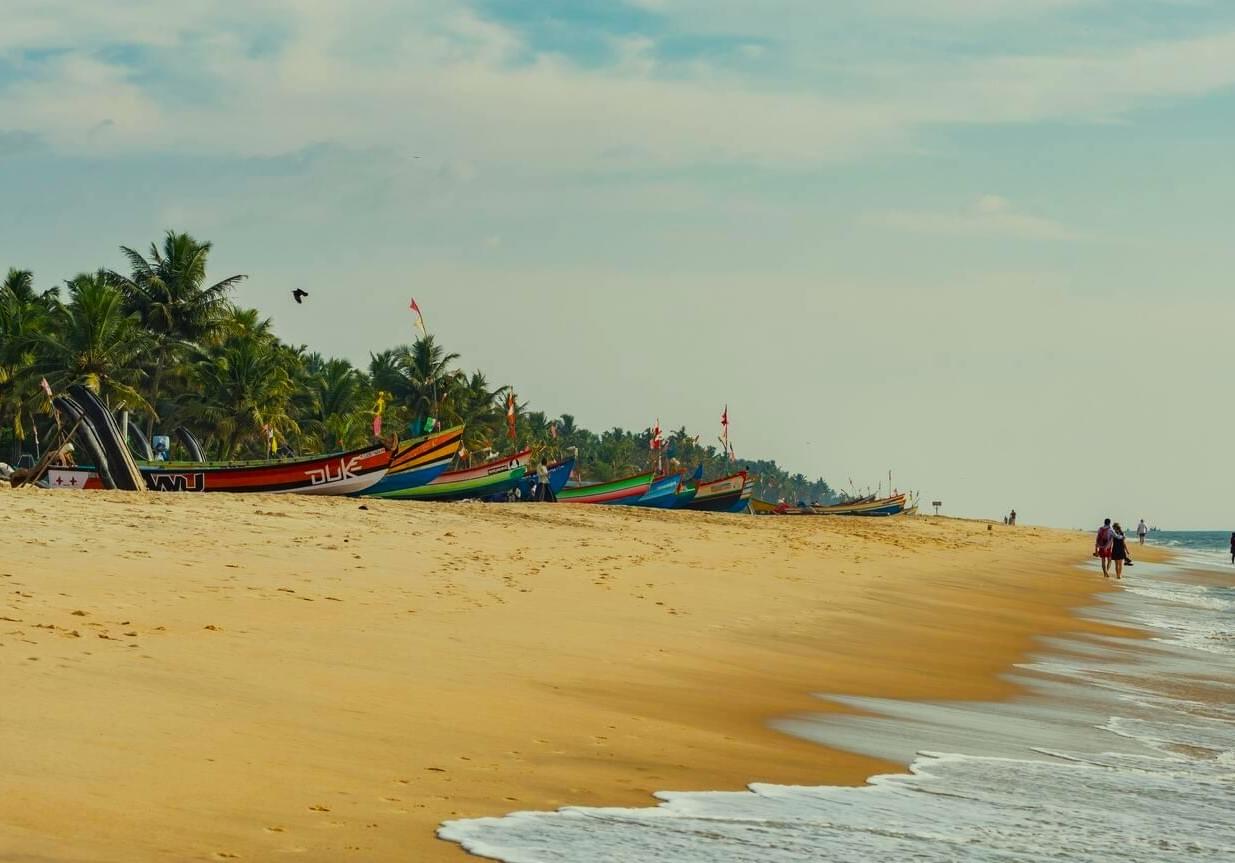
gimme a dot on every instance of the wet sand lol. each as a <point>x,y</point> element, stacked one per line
<point>212,677</point>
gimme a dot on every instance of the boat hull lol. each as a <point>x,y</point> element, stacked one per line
<point>728,494</point>
<point>475,482</point>
<point>662,494</point>
<point>334,474</point>
<point>618,492</point>
<point>418,462</point>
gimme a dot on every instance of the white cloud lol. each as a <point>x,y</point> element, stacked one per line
<point>988,216</point>
<point>440,80</point>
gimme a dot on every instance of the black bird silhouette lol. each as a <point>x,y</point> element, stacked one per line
<point>299,295</point>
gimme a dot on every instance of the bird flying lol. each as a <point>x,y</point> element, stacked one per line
<point>299,295</point>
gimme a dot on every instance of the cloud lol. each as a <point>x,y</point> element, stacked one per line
<point>988,216</point>
<point>445,81</point>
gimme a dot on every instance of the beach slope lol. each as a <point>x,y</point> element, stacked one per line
<point>205,677</point>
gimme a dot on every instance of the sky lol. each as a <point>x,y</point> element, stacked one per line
<point>984,244</point>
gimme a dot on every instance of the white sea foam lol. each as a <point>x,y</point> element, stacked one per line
<point>1116,754</point>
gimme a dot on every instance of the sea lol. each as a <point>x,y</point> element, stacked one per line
<point>1120,750</point>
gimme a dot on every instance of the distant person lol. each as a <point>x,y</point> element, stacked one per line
<point>1012,518</point>
<point>1104,545</point>
<point>1141,530</point>
<point>1119,549</point>
<point>1005,519</point>
<point>545,492</point>
<point>160,451</point>
<point>1233,548</point>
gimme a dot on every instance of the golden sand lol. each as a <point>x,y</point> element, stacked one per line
<point>215,677</point>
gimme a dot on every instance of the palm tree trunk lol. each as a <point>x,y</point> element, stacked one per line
<point>155,382</point>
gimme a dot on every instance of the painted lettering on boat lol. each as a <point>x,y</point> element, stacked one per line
<point>176,481</point>
<point>346,470</point>
<point>503,467</point>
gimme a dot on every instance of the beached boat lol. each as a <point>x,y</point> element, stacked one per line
<point>337,473</point>
<point>559,475</point>
<point>893,505</point>
<point>664,492</point>
<point>727,494</point>
<point>470,483</point>
<point>418,462</point>
<point>624,492</point>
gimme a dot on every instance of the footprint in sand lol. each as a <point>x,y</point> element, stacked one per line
<point>317,807</point>
<point>275,829</point>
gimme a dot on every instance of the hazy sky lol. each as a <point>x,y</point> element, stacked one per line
<point>985,243</point>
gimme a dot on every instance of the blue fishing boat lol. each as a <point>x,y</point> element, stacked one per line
<point>663,493</point>
<point>559,475</point>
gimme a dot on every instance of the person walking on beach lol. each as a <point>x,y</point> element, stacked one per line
<point>544,492</point>
<point>1119,549</point>
<point>1141,530</point>
<point>1104,545</point>
<point>1233,549</point>
<point>1012,518</point>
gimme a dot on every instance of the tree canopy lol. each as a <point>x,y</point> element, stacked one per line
<point>163,340</point>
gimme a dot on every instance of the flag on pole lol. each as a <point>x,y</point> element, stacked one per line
<point>420,319</point>
<point>657,442</point>
<point>510,415</point>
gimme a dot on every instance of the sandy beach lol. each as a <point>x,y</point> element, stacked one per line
<point>212,677</point>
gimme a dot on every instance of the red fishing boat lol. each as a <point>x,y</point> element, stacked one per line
<point>337,473</point>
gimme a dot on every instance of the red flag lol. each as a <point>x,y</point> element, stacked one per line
<point>724,418</point>
<point>656,439</point>
<point>420,319</point>
<point>510,415</point>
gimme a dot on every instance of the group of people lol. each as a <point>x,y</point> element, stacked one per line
<point>1111,545</point>
<point>1010,518</point>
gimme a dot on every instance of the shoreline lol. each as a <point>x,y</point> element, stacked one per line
<point>370,674</point>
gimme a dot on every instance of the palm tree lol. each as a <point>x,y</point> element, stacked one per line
<point>417,376</point>
<point>480,408</point>
<point>176,307</point>
<point>94,341</point>
<point>243,387</point>
<point>24,317</point>
<point>339,398</point>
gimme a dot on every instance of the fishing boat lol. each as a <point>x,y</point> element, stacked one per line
<point>664,492</point>
<point>727,494</point>
<point>559,475</point>
<point>893,505</point>
<point>494,477</point>
<point>419,461</point>
<point>337,473</point>
<point>624,492</point>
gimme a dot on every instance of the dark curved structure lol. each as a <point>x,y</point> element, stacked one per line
<point>189,442</point>
<point>138,437</point>
<point>86,435</point>
<point>123,468</point>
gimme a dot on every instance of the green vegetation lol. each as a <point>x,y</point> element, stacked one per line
<point>166,343</point>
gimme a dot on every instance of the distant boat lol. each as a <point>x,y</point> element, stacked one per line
<point>623,492</point>
<point>333,474</point>
<point>727,494</point>
<point>418,462</point>
<point>894,505</point>
<point>472,483</point>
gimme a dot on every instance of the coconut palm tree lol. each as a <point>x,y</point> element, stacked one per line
<point>25,315</point>
<point>339,404</point>
<point>178,309</point>
<point>94,341</point>
<point>242,389</point>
